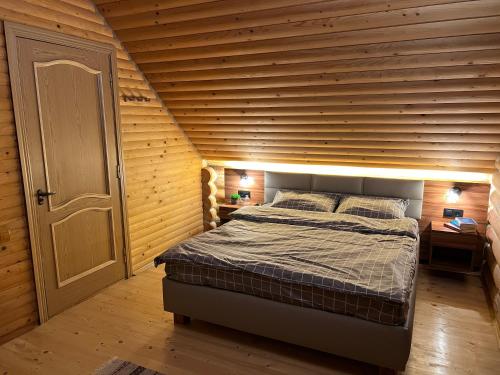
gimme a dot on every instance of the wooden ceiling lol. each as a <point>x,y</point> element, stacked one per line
<point>402,83</point>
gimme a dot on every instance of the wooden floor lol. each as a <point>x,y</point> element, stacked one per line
<point>453,335</point>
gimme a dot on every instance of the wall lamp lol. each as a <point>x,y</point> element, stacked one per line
<point>246,180</point>
<point>453,194</point>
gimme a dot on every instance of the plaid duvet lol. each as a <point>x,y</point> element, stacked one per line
<point>341,263</point>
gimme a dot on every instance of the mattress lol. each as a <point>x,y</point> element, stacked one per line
<point>339,263</point>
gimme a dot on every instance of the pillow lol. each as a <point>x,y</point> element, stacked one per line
<point>321,202</point>
<point>373,207</point>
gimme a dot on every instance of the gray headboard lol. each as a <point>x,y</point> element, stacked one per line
<point>382,187</point>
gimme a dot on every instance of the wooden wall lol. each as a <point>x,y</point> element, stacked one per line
<point>161,165</point>
<point>391,83</point>
<point>220,195</point>
<point>473,200</point>
<point>232,179</point>
<point>492,272</point>
<point>208,198</point>
<point>18,307</point>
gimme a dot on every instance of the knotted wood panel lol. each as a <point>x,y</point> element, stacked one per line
<point>402,84</point>
<point>161,165</point>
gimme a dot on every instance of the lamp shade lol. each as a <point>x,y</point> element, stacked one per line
<point>246,180</point>
<point>453,194</point>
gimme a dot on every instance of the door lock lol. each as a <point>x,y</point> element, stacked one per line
<point>40,194</point>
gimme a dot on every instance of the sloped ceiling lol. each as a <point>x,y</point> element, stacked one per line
<point>403,83</point>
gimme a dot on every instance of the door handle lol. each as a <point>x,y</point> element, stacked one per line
<point>40,195</point>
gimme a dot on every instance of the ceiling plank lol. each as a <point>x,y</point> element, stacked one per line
<point>404,84</point>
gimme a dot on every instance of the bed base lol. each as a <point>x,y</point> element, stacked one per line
<point>382,345</point>
<point>181,319</point>
<point>184,320</point>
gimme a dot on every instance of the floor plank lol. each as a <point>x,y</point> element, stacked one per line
<point>454,334</point>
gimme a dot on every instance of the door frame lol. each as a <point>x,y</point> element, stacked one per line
<point>12,32</point>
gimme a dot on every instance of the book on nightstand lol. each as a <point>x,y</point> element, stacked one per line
<point>463,225</point>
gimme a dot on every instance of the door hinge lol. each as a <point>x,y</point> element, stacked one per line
<point>111,78</point>
<point>125,255</point>
<point>118,171</point>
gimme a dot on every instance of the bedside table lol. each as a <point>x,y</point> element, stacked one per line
<point>454,251</point>
<point>226,208</point>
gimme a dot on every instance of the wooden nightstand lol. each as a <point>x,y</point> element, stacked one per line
<point>226,208</point>
<point>454,251</point>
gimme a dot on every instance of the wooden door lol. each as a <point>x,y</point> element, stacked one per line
<point>67,128</point>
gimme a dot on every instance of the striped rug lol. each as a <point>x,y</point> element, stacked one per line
<point>118,366</point>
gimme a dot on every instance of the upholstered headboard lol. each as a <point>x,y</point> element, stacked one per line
<point>382,187</point>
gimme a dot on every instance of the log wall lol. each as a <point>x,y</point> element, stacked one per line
<point>492,272</point>
<point>161,165</point>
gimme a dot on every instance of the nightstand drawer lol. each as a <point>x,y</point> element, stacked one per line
<point>455,240</point>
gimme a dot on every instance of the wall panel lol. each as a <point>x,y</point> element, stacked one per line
<point>161,165</point>
<point>232,183</point>
<point>492,272</point>
<point>18,307</point>
<point>270,80</point>
<point>473,200</point>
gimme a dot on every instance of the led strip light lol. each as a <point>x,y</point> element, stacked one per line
<point>407,174</point>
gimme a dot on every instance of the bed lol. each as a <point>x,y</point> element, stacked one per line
<point>339,283</point>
